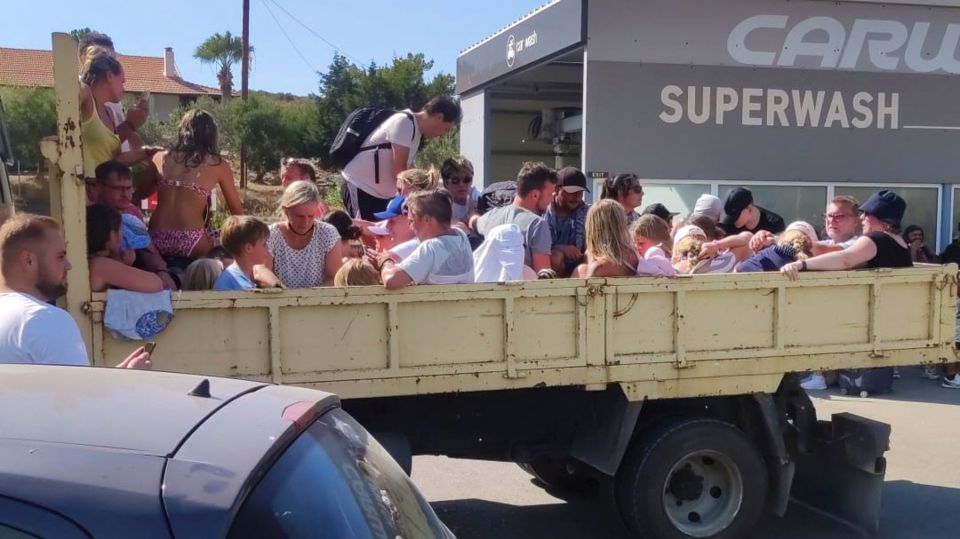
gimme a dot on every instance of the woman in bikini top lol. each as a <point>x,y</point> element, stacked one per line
<point>189,172</point>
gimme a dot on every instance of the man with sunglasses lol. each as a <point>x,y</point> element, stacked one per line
<point>457,175</point>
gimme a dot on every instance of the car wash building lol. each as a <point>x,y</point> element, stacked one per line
<point>799,100</point>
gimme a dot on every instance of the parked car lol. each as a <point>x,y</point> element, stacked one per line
<point>98,452</point>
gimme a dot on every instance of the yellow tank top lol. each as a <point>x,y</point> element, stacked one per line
<point>99,143</point>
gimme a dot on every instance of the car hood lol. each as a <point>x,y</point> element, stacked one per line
<point>142,411</point>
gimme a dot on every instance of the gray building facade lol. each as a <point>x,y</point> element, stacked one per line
<point>798,100</point>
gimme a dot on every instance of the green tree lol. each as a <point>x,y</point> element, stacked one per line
<point>345,87</point>
<point>222,51</point>
<point>31,114</point>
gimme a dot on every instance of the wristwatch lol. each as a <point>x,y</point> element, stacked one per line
<point>803,265</point>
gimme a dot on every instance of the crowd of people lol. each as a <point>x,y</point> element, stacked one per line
<point>404,226</point>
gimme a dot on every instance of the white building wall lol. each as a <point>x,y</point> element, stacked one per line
<point>474,139</point>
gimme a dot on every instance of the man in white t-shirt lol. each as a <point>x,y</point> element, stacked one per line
<point>370,179</point>
<point>443,255</point>
<point>33,272</point>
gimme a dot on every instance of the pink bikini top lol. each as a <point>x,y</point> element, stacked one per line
<point>190,186</point>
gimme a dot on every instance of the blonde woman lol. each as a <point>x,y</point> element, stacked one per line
<point>796,243</point>
<point>413,180</point>
<point>306,251</point>
<point>610,253</point>
<point>358,272</point>
<point>101,82</point>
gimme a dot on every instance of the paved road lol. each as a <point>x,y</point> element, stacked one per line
<point>921,499</point>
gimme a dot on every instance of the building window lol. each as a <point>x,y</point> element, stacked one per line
<point>923,206</point>
<point>678,198</point>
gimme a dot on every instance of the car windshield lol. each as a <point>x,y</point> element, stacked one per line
<point>336,481</point>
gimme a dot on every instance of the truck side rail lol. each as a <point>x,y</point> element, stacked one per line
<point>657,338</point>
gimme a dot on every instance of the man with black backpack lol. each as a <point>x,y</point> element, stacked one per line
<point>374,145</point>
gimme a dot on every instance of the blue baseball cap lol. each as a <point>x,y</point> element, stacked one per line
<point>394,208</point>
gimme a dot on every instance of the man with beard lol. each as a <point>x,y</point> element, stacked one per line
<point>567,217</point>
<point>536,186</point>
<point>33,272</point>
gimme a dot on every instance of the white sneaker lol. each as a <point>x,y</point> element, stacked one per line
<point>930,373</point>
<point>815,381</point>
<point>951,383</point>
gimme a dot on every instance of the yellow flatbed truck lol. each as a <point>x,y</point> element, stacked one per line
<point>681,395</point>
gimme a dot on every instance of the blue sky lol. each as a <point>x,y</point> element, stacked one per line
<point>366,30</point>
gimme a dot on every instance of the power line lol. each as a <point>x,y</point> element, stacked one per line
<point>314,32</point>
<point>286,35</point>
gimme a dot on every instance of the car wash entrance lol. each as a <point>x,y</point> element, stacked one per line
<point>800,101</point>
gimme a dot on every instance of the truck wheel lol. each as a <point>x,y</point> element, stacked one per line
<point>692,478</point>
<point>553,473</point>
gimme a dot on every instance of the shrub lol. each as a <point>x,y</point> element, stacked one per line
<point>31,114</point>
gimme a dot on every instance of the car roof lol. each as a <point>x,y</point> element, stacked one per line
<point>96,407</point>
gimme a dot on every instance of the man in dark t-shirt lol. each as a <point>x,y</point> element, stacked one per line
<point>741,214</point>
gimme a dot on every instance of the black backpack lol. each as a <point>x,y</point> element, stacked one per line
<point>355,130</point>
<point>496,195</point>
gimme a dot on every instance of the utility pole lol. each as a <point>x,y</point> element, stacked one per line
<point>244,82</point>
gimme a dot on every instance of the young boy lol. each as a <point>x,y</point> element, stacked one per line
<point>245,239</point>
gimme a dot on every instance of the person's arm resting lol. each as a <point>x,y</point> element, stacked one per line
<point>860,252</point>
<point>394,278</point>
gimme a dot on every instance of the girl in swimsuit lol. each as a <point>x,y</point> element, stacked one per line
<point>610,252</point>
<point>189,172</point>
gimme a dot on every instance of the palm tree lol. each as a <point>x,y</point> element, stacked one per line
<point>222,51</point>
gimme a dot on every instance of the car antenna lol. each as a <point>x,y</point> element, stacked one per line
<point>202,389</point>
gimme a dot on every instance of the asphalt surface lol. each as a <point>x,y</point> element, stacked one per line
<point>920,501</point>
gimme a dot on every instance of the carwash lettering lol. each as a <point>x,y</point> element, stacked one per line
<point>778,107</point>
<point>886,43</point>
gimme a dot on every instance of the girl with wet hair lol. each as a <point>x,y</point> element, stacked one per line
<point>189,172</point>
<point>610,252</point>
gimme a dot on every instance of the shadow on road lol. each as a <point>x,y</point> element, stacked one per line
<point>911,511</point>
<point>910,387</point>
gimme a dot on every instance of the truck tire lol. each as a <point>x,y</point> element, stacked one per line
<point>691,478</point>
<point>554,473</point>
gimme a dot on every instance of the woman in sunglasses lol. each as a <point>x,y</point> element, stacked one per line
<point>457,175</point>
<point>627,191</point>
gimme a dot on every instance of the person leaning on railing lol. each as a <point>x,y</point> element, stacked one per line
<point>880,246</point>
<point>101,82</point>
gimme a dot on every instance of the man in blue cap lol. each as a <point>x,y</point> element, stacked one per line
<point>741,214</point>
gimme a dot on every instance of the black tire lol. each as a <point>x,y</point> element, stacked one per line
<point>554,473</point>
<point>727,486</point>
